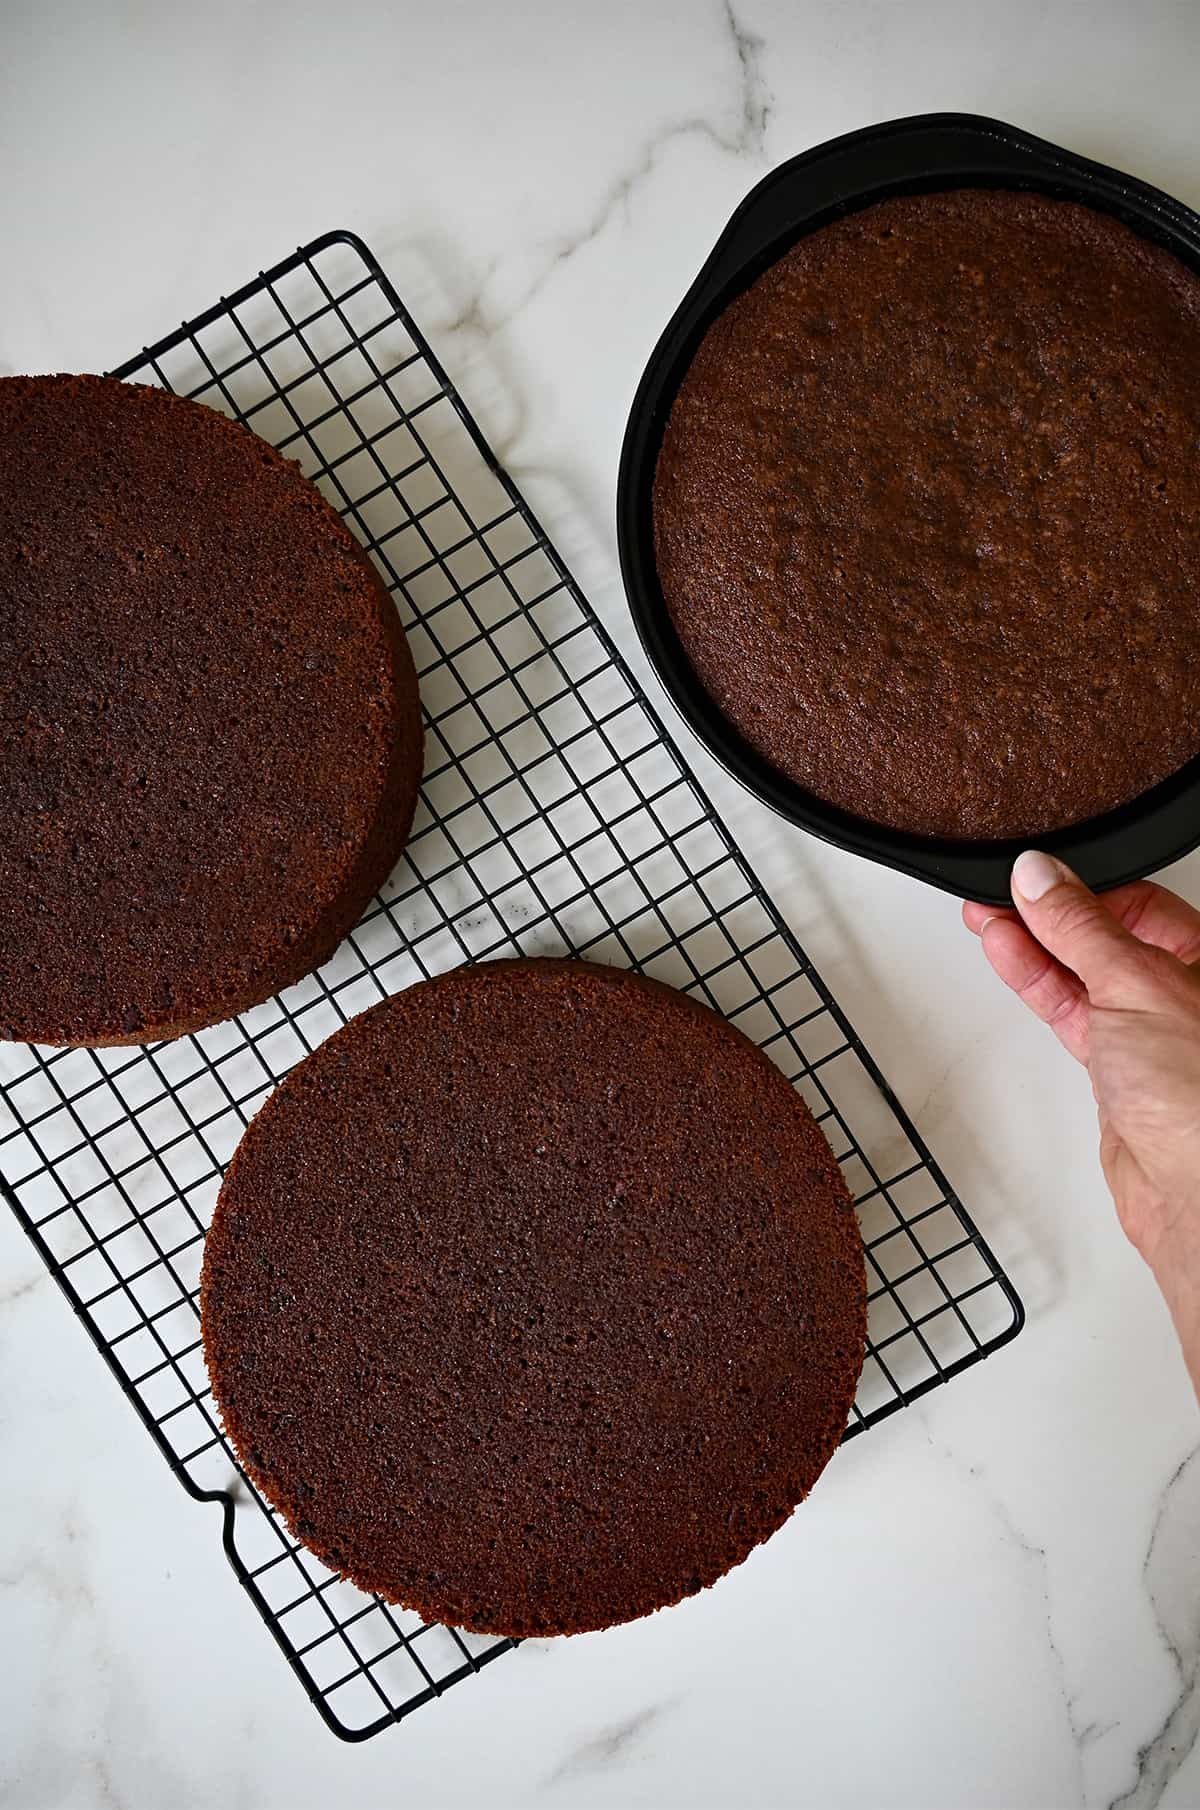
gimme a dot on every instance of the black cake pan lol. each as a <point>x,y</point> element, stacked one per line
<point>905,156</point>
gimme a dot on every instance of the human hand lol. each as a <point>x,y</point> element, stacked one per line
<point>1112,977</point>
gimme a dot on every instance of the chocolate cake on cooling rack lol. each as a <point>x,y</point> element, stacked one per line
<point>534,1298</point>
<point>209,715</point>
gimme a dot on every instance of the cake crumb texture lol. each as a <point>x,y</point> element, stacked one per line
<point>534,1299</point>
<point>209,716</point>
<point>927,514</point>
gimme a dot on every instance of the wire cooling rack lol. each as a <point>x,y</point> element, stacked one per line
<point>556,817</point>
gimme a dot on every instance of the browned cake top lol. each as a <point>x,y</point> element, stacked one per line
<point>927,513</point>
<point>535,1298</point>
<point>208,714</point>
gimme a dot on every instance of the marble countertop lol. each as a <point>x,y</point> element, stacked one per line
<point>993,1599</point>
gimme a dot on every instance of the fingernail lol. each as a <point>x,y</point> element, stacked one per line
<point>1034,873</point>
<point>986,922</point>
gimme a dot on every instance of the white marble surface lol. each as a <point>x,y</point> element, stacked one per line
<point>992,1600</point>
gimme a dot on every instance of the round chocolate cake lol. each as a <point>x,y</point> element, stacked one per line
<point>209,717</point>
<point>927,514</point>
<point>534,1299</point>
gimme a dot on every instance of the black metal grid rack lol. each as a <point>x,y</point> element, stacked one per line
<point>556,817</point>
